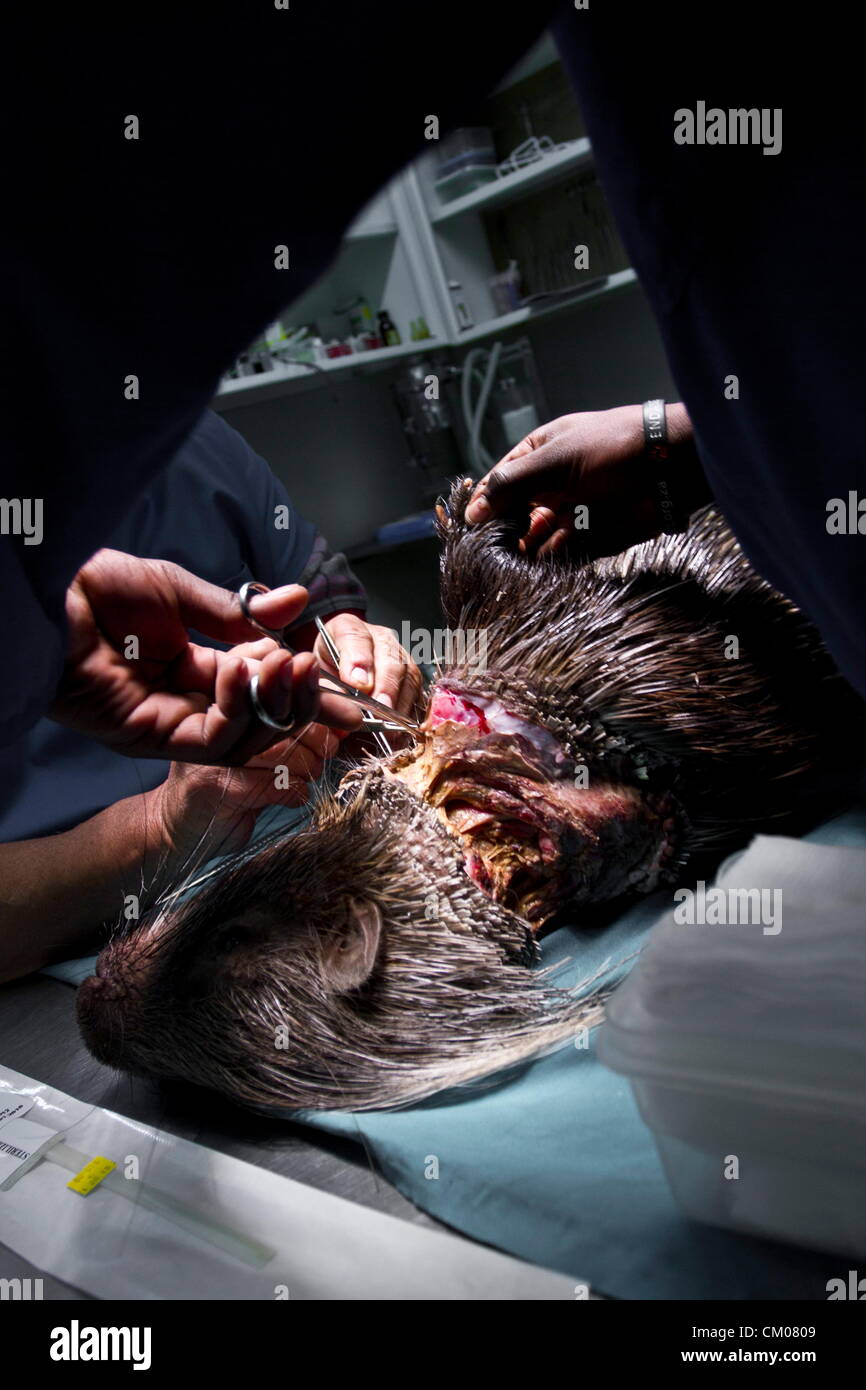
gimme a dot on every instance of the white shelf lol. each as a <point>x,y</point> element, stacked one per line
<point>542,55</point>
<point>402,251</point>
<point>618,280</point>
<point>362,229</point>
<point>375,219</point>
<point>284,380</point>
<point>534,176</point>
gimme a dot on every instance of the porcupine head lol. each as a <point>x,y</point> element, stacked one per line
<point>585,736</point>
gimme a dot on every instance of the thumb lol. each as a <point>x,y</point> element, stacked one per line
<point>217,612</point>
<point>521,478</point>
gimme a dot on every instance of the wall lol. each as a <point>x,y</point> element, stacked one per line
<point>341,454</point>
<point>608,353</point>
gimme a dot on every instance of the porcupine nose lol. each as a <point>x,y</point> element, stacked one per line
<point>100,1015</point>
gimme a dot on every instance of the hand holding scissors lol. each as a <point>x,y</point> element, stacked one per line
<point>375,713</point>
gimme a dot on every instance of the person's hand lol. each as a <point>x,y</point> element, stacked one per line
<point>372,660</point>
<point>135,681</point>
<point>207,810</point>
<point>596,459</point>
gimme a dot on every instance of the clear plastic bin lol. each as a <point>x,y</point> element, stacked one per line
<point>746,1051</point>
<point>467,159</point>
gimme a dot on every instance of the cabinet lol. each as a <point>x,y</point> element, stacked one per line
<point>408,246</point>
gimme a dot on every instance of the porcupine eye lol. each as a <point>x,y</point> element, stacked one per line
<point>201,974</point>
<point>233,955</point>
<point>240,932</point>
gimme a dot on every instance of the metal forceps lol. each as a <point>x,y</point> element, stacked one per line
<point>388,718</point>
<point>379,737</point>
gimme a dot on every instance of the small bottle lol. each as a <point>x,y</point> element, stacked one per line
<point>461,308</point>
<point>274,334</point>
<point>360,318</point>
<point>387,330</point>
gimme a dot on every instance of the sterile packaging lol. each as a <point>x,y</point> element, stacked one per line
<point>126,1211</point>
<point>745,1045</point>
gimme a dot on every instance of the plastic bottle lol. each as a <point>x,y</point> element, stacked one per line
<point>387,330</point>
<point>461,308</point>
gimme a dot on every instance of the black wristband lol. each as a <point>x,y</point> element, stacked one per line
<point>655,432</point>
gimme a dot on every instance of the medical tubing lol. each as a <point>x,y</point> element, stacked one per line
<point>480,459</point>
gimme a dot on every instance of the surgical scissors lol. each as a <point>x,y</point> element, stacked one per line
<point>388,717</point>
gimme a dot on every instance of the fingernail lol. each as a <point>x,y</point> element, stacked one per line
<point>284,591</point>
<point>478,510</point>
<point>384,698</point>
<point>357,675</point>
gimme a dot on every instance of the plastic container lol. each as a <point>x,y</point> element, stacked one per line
<point>464,181</point>
<point>462,312</point>
<point>746,1050</point>
<point>505,289</point>
<point>465,147</point>
<point>467,159</point>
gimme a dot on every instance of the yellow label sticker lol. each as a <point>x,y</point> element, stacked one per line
<point>91,1175</point>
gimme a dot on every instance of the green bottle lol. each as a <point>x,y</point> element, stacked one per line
<point>387,331</point>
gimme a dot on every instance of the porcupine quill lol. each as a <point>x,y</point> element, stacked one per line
<point>610,744</point>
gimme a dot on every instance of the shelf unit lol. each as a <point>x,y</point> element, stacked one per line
<point>288,379</point>
<point>402,251</point>
<point>618,280</point>
<point>530,179</point>
<point>376,219</point>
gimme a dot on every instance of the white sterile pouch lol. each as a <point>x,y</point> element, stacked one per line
<point>151,1216</point>
<point>743,1031</point>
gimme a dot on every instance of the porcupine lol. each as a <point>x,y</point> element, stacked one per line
<point>634,717</point>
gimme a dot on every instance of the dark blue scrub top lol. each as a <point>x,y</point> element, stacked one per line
<point>155,257</point>
<point>753,265</point>
<point>159,249</point>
